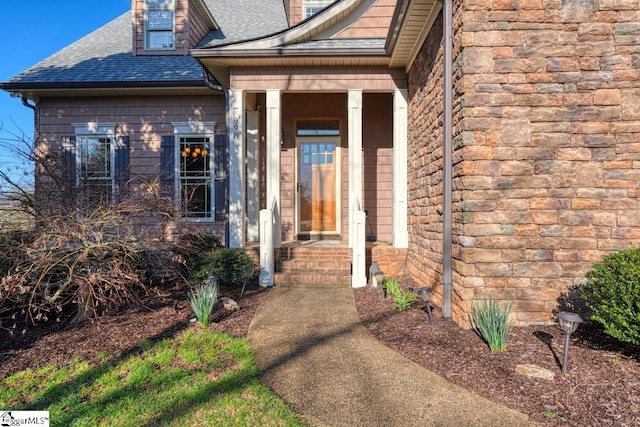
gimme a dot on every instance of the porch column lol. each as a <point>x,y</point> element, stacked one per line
<point>400,137</point>
<point>355,156</point>
<point>274,139</point>
<point>357,238</point>
<point>236,135</point>
<point>253,178</point>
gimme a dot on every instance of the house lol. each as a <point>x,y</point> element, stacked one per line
<point>494,145</point>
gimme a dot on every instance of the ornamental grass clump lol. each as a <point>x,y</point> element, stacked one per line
<point>492,322</point>
<point>203,300</point>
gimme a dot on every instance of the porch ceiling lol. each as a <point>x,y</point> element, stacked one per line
<point>411,24</point>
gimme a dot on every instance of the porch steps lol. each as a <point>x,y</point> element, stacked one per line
<point>314,264</point>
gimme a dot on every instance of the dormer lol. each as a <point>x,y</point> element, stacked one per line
<point>169,27</point>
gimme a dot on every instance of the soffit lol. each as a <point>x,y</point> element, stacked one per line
<point>411,25</point>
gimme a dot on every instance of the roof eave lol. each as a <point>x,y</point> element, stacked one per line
<point>12,87</point>
<point>32,90</point>
<point>410,26</point>
<point>307,52</point>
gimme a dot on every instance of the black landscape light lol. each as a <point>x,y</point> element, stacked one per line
<point>376,278</point>
<point>568,323</point>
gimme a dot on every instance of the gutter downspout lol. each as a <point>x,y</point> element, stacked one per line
<point>211,85</point>
<point>218,88</point>
<point>25,102</point>
<point>447,272</point>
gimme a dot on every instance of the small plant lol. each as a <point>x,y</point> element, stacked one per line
<point>229,266</point>
<point>613,294</point>
<point>203,300</point>
<point>492,322</point>
<point>401,299</point>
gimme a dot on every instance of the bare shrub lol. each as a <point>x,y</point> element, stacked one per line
<point>83,265</point>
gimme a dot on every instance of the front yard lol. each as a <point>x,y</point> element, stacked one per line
<point>146,367</point>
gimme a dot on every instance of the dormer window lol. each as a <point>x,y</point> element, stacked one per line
<point>160,25</point>
<point>311,7</point>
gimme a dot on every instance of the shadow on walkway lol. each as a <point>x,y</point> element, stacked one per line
<point>315,353</point>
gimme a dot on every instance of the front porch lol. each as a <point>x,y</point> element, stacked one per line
<point>317,167</point>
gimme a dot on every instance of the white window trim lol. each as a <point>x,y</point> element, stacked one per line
<point>194,129</point>
<point>311,4</point>
<point>147,8</point>
<point>96,130</point>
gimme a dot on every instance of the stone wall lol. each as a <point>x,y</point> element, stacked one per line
<point>546,148</point>
<point>424,262</point>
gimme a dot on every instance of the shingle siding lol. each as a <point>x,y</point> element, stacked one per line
<point>144,120</point>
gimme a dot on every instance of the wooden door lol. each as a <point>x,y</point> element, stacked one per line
<point>317,187</point>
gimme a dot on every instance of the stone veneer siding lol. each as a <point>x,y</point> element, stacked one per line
<point>546,148</point>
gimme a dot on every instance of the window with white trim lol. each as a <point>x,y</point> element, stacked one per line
<point>311,7</point>
<point>98,161</point>
<point>194,179</point>
<point>159,25</point>
<point>95,172</point>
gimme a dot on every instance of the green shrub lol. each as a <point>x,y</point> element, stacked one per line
<point>613,294</point>
<point>401,299</point>
<point>492,322</point>
<point>203,300</point>
<point>229,266</point>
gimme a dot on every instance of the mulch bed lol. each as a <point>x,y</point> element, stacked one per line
<point>601,387</point>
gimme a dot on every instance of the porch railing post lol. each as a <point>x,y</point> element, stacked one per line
<point>267,264</point>
<point>359,273</point>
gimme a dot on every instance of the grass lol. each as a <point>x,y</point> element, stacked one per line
<point>198,378</point>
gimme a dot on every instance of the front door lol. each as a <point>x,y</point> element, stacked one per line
<point>318,185</point>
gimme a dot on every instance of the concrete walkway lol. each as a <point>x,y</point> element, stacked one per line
<point>315,353</point>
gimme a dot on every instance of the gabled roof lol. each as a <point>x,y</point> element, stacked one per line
<point>310,43</point>
<point>104,58</point>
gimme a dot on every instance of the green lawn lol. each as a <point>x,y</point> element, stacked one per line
<point>197,378</point>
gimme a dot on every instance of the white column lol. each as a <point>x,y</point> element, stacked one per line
<point>355,156</point>
<point>400,137</point>
<point>253,187</point>
<point>274,138</point>
<point>236,135</point>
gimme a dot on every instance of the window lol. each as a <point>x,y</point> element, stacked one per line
<point>96,163</point>
<point>159,24</point>
<point>311,7</point>
<point>95,172</point>
<point>195,176</point>
<point>194,171</point>
<point>318,128</point>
